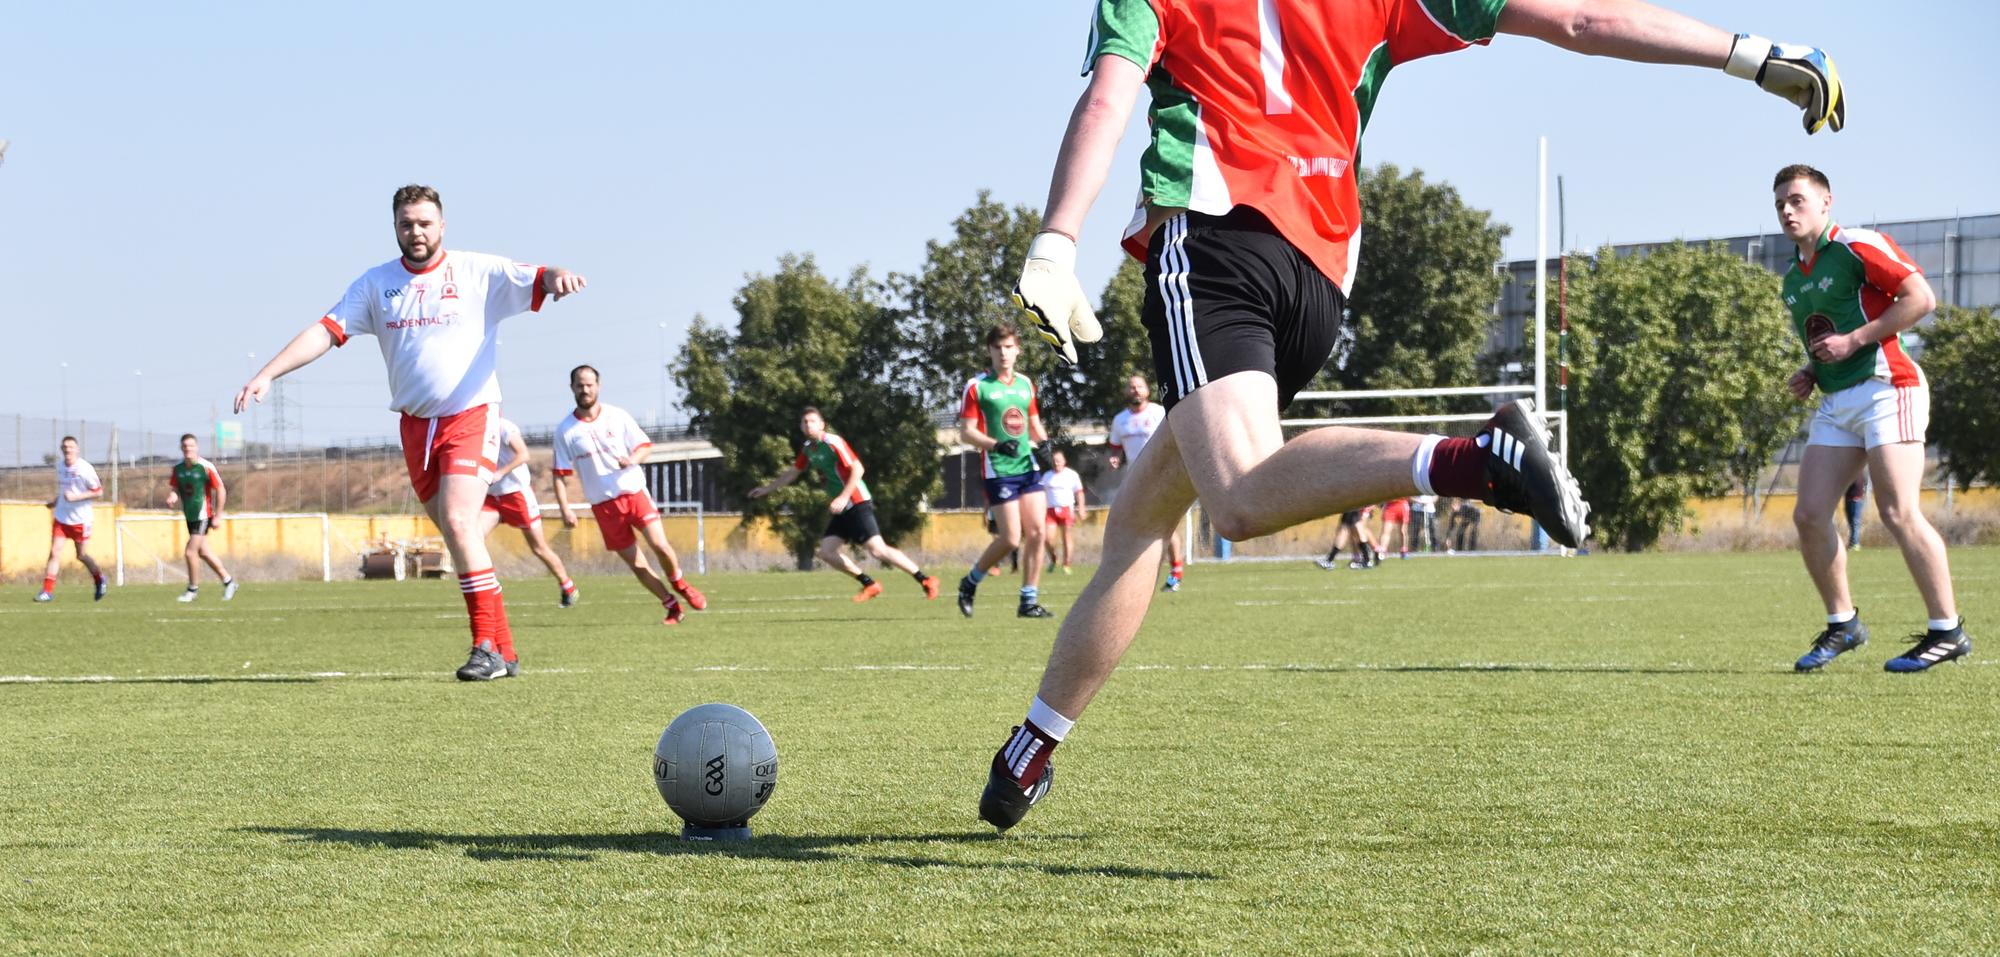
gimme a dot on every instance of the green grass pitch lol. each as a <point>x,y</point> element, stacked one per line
<point>1608,754</point>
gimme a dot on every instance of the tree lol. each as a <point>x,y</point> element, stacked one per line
<point>1678,367</point>
<point>1961,350</point>
<point>803,340</point>
<point>1124,352</point>
<point>1423,291</point>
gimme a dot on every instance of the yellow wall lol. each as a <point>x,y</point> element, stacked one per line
<point>948,536</point>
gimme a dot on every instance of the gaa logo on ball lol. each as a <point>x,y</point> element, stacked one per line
<point>716,766</point>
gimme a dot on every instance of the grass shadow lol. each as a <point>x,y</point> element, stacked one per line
<point>803,849</point>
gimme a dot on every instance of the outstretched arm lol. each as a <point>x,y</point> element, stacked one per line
<point>304,348</point>
<point>784,478</point>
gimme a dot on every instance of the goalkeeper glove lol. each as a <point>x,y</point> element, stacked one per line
<point>1048,290</point>
<point>1803,75</point>
<point>1008,448</point>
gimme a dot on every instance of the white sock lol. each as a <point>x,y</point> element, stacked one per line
<point>1046,718</point>
<point>1420,465</point>
<point>1840,618</point>
<point>1944,624</point>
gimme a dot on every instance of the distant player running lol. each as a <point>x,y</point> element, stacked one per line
<point>1066,507</point>
<point>437,316</point>
<point>76,485</point>
<point>197,488</point>
<point>1249,226</point>
<point>601,444</point>
<point>1851,293</point>
<point>511,502</point>
<point>1131,429</point>
<point>853,508</point>
<point>1002,418</point>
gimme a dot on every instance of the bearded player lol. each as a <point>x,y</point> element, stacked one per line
<point>437,317</point>
<point>1851,293</point>
<point>1249,226</point>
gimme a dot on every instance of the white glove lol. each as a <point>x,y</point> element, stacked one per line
<point>1048,290</point>
<point>1803,75</point>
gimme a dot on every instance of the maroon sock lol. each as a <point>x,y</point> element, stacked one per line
<point>1025,754</point>
<point>1458,469</point>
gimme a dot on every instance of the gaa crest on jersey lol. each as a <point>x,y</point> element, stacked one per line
<point>1015,422</point>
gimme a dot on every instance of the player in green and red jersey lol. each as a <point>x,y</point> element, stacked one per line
<point>1002,418</point>
<point>1250,225</point>
<point>1852,293</point>
<point>853,508</point>
<point>197,487</point>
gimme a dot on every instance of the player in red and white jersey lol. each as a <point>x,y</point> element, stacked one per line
<point>1131,429</point>
<point>601,445</point>
<point>436,314</point>
<point>1250,226</point>
<point>511,501</point>
<point>76,485</point>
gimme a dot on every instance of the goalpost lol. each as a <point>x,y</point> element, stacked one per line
<point>1556,421</point>
<point>176,536</point>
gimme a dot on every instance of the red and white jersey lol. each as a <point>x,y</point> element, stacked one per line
<point>437,327</point>
<point>1130,430</point>
<point>590,448</point>
<point>514,479</point>
<point>80,477</point>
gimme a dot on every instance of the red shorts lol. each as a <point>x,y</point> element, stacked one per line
<point>1396,512</point>
<point>464,443</point>
<point>517,509</point>
<point>75,533</point>
<point>620,519</point>
<point>1062,515</point>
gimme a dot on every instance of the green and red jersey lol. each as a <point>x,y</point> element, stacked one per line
<point>1002,409</point>
<point>199,487</point>
<point>1849,281</point>
<point>834,460</point>
<point>1259,103</point>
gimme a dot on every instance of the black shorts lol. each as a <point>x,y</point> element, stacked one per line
<point>200,526</point>
<point>855,524</point>
<point>1228,294</point>
<point>1350,518</point>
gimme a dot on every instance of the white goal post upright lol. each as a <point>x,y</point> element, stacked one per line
<point>325,535</point>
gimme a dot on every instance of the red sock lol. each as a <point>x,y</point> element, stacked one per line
<point>488,612</point>
<point>1458,469</point>
<point>1025,754</point>
<point>49,584</point>
<point>1177,569</point>
<point>568,586</point>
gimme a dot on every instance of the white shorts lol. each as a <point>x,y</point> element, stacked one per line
<point>1872,413</point>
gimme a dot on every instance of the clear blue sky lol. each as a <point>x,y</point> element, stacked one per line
<point>191,183</point>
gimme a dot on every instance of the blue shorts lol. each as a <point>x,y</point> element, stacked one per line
<point>1007,488</point>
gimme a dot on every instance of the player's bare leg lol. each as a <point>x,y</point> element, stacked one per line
<point>895,558</point>
<point>1897,470</point>
<point>1825,472</point>
<point>54,566</point>
<point>636,560</point>
<point>538,545</point>
<point>1031,515</point>
<point>655,537</point>
<point>1176,557</point>
<point>90,565</point>
<point>458,511</point>
<point>207,553</point>
<point>833,551</point>
<point>1006,535</point>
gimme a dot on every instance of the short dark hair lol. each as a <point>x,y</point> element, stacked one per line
<point>188,435</point>
<point>593,372</point>
<point>415,193</point>
<point>813,410</point>
<point>1802,171</point>
<point>1001,332</point>
<point>69,438</point>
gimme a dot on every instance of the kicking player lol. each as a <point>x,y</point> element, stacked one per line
<point>511,501</point>
<point>1249,224</point>
<point>1066,506</point>
<point>853,507</point>
<point>602,444</point>
<point>1131,429</point>
<point>1002,418</point>
<point>76,485</point>
<point>437,316</point>
<point>1851,293</point>
<point>197,488</point>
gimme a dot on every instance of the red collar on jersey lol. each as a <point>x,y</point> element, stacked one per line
<point>436,261</point>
